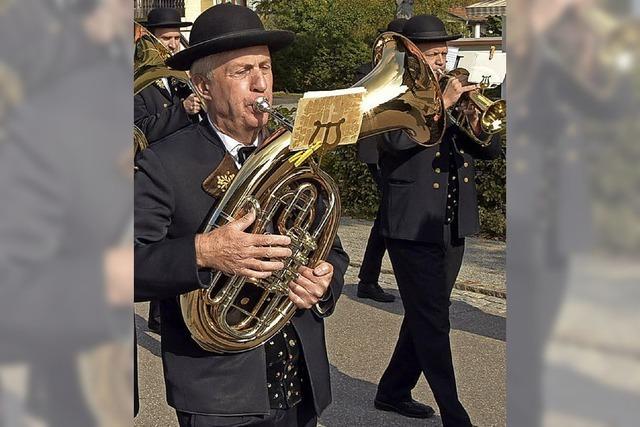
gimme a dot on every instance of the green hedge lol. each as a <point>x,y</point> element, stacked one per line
<point>491,179</point>
<point>333,37</point>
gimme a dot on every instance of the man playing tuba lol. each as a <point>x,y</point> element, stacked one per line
<point>286,381</point>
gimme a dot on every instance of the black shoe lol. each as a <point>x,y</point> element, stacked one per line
<point>409,408</point>
<point>154,325</point>
<point>374,292</point>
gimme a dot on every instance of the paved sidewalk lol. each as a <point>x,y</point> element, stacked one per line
<point>483,268</point>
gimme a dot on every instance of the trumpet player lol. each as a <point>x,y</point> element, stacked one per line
<point>429,205</point>
<point>286,381</point>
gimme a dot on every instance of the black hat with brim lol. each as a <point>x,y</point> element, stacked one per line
<point>227,27</point>
<point>164,17</point>
<point>396,26</point>
<point>427,28</point>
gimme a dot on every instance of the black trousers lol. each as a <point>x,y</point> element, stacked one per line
<point>425,273</point>
<point>301,415</point>
<point>154,311</point>
<point>374,252</point>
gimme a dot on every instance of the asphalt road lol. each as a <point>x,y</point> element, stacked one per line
<point>360,339</point>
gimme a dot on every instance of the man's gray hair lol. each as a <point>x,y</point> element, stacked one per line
<point>205,66</point>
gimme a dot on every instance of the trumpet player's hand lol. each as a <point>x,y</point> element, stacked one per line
<point>453,91</point>
<point>192,104</point>
<point>232,251</point>
<point>311,285</point>
<point>473,117</point>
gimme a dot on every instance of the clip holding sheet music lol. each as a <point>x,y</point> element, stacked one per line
<point>326,119</point>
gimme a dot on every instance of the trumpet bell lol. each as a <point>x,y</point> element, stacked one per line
<point>494,118</point>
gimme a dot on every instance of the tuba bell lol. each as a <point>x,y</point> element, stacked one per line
<point>234,313</point>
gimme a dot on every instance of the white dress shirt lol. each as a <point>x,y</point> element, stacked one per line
<point>165,80</point>
<point>232,146</point>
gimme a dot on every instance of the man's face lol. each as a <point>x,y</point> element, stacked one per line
<point>435,53</point>
<point>169,37</point>
<point>242,75</point>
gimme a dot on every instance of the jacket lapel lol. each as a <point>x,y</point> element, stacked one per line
<point>218,181</point>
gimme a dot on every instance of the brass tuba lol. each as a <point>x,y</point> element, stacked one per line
<point>234,313</point>
<point>149,57</point>
<point>493,114</point>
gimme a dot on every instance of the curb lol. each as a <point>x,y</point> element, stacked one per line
<point>466,285</point>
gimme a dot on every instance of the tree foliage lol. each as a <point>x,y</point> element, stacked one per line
<point>333,38</point>
<point>494,26</point>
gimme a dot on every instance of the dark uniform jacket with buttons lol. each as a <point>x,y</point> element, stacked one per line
<point>416,185</point>
<point>159,113</point>
<point>170,208</point>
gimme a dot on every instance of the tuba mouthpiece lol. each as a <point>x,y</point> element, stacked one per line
<point>261,105</point>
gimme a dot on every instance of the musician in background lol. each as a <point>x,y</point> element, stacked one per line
<point>429,205</point>
<point>369,274</point>
<point>167,105</point>
<point>286,381</point>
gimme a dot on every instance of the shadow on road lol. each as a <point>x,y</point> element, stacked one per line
<point>353,406</point>
<point>464,317</point>
<point>145,337</point>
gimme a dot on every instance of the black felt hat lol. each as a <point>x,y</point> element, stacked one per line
<point>227,27</point>
<point>427,28</point>
<point>164,17</point>
<point>396,26</point>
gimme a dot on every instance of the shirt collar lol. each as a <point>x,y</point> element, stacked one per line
<point>231,145</point>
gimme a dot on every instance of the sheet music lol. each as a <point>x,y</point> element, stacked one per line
<point>478,64</point>
<point>452,58</point>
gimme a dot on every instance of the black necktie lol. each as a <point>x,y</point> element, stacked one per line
<point>244,153</point>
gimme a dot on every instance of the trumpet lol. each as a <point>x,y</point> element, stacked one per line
<point>493,114</point>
